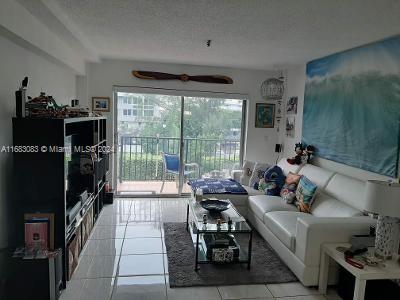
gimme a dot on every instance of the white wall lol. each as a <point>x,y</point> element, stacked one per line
<point>101,77</point>
<point>295,87</point>
<point>16,63</point>
<point>33,33</point>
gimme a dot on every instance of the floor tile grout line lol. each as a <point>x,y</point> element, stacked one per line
<point>119,261</point>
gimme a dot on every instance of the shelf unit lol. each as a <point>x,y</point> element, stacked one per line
<point>41,180</point>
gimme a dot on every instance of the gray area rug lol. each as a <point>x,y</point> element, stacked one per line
<point>266,266</point>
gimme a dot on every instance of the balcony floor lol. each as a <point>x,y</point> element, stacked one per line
<point>150,188</point>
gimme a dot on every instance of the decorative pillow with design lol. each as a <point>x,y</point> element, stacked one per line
<point>274,180</point>
<point>305,194</point>
<point>247,170</point>
<point>257,174</point>
<point>288,191</point>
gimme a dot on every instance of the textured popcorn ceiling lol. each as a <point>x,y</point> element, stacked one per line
<point>248,33</point>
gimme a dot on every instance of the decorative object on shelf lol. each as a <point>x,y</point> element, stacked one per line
<point>100,104</point>
<point>291,106</point>
<point>215,205</point>
<point>45,224</point>
<point>222,255</point>
<point>205,219</point>
<point>383,198</point>
<point>45,106</point>
<point>303,154</point>
<point>182,77</point>
<point>290,126</point>
<point>272,88</point>
<point>20,99</point>
<point>74,103</point>
<point>265,115</point>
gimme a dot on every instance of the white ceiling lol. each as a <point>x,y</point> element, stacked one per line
<point>255,34</point>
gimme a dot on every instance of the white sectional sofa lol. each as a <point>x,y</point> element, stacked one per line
<point>297,237</point>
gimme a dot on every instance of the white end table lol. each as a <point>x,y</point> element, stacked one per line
<point>390,271</point>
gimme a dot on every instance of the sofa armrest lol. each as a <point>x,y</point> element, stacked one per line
<point>236,175</point>
<point>312,232</point>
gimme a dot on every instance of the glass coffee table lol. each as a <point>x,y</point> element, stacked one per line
<point>224,238</point>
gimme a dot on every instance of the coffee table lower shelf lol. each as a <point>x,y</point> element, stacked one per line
<point>201,249</point>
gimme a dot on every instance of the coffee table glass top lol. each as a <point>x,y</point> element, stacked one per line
<point>239,224</point>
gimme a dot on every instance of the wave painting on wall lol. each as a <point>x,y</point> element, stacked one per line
<point>352,107</point>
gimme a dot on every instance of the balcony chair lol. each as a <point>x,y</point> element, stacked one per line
<point>171,166</point>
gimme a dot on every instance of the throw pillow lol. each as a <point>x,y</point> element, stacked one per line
<point>262,185</point>
<point>257,174</point>
<point>288,191</point>
<point>274,180</point>
<point>247,170</point>
<point>305,194</point>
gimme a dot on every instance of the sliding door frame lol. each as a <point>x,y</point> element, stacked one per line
<point>182,94</point>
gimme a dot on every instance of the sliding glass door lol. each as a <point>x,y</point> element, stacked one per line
<point>164,141</point>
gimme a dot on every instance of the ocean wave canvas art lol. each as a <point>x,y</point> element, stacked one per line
<point>352,107</point>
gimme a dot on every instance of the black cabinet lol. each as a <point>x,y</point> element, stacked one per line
<point>44,180</point>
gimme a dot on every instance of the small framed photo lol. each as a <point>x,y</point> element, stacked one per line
<point>291,106</point>
<point>265,115</point>
<point>290,126</point>
<point>101,103</point>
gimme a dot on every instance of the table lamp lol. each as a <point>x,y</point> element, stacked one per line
<point>383,198</point>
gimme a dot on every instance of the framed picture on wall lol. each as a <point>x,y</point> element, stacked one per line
<point>101,103</point>
<point>265,115</point>
<point>290,126</point>
<point>291,106</point>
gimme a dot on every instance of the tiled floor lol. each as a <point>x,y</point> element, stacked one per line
<point>151,187</point>
<point>125,259</point>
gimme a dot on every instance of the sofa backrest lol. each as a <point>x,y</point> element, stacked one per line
<point>327,206</point>
<point>286,167</point>
<point>317,175</point>
<point>337,195</point>
<point>347,189</point>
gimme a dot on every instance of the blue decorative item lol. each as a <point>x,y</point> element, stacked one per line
<point>274,181</point>
<point>352,107</point>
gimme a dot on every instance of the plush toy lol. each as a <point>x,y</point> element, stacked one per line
<point>273,181</point>
<point>303,154</point>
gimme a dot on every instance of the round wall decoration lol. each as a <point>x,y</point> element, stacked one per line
<point>272,89</point>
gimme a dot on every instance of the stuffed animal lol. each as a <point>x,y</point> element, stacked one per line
<point>274,179</point>
<point>303,154</point>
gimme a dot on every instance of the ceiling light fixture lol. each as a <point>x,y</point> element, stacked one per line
<point>208,43</point>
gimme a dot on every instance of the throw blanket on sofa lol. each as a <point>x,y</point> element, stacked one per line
<point>217,186</point>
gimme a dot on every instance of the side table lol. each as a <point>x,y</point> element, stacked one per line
<point>390,271</point>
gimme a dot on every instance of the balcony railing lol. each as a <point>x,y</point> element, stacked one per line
<point>140,158</point>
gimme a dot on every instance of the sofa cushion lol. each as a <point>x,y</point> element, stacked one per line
<point>258,173</point>
<point>252,192</point>
<point>247,169</point>
<point>283,225</point>
<point>347,189</point>
<point>327,206</point>
<point>305,194</point>
<point>263,203</point>
<point>317,175</point>
<point>286,167</point>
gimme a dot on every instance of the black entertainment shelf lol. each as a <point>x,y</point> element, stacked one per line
<point>43,181</point>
